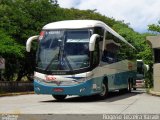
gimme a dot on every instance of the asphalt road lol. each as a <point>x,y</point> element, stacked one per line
<point>137,102</point>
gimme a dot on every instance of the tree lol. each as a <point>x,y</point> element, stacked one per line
<point>20,19</point>
<point>12,52</point>
<point>154,27</point>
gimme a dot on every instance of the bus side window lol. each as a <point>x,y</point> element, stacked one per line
<point>108,57</point>
<point>110,49</point>
<point>99,31</point>
<point>140,69</point>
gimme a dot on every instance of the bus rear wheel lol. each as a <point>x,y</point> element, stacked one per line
<point>129,87</point>
<point>59,97</point>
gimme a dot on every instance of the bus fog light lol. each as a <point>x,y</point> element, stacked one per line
<point>37,89</point>
<point>82,89</point>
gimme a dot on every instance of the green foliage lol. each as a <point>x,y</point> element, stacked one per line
<point>20,19</point>
<point>25,17</point>
<point>12,52</point>
<point>154,27</point>
<point>10,46</point>
<point>143,51</point>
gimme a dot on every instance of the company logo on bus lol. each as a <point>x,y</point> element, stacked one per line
<point>41,35</point>
<point>50,78</point>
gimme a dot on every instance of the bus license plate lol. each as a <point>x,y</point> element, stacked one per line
<point>58,89</point>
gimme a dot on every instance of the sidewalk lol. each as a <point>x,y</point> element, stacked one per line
<point>152,92</point>
<point>16,93</point>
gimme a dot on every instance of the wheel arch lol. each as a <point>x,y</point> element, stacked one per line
<point>105,80</point>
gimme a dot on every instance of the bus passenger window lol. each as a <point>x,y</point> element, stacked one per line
<point>99,31</point>
<point>108,57</point>
<point>110,53</point>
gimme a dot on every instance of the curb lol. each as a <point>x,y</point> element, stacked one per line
<point>154,93</point>
<point>14,94</point>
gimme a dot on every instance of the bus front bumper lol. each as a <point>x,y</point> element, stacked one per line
<point>82,89</point>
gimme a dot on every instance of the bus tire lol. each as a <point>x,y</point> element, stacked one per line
<point>122,91</point>
<point>104,92</point>
<point>59,97</point>
<point>134,88</point>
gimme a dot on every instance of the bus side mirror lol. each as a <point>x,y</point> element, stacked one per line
<point>29,41</point>
<point>92,42</point>
<point>146,67</point>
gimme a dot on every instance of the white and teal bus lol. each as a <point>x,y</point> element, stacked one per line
<point>81,57</point>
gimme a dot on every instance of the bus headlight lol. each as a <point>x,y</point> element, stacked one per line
<point>81,80</point>
<point>84,79</point>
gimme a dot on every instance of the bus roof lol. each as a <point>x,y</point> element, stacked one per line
<point>74,24</point>
<point>79,24</point>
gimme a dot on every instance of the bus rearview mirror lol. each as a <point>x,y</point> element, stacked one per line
<point>29,41</point>
<point>92,42</point>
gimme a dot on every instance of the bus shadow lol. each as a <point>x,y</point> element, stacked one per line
<point>112,96</point>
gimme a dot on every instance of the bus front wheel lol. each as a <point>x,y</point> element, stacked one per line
<point>104,92</point>
<point>59,97</point>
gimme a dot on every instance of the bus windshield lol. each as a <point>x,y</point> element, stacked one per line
<point>63,50</point>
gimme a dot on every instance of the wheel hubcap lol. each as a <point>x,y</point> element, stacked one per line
<point>103,90</point>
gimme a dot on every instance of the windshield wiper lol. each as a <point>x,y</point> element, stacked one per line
<point>54,57</point>
<point>61,55</point>
<point>69,65</point>
<point>49,64</point>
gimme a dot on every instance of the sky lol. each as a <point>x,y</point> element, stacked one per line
<point>139,13</point>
